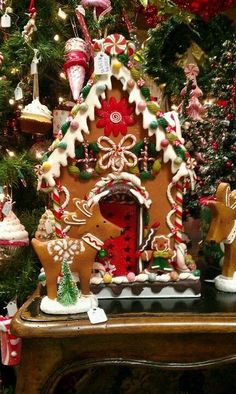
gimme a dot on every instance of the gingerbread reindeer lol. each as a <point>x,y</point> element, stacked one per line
<point>223,229</point>
<point>79,252</point>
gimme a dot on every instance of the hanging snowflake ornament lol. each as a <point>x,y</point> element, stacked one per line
<point>115,116</point>
<point>117,156</point>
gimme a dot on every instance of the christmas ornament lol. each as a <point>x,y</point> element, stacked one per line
<point>150,15</point>
<point>10,344</point>
<point>12,232</point>
<point>205,8</point>
<point>76,57</point>
<point>35,117</point>
<point>30,27</point>
<point>194,109</point>
<point>115,44</point>
<point>99,6</point>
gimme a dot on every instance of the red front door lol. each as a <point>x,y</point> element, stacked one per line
<point>122,250</point>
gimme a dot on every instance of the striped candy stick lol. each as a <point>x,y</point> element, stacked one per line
<point>57,210</point>
<point>58,207</point>
<point>179,213</point>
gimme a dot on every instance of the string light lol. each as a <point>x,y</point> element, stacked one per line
<point>56,37</point>
<point>38,155</point>
<point>62,75</point>
<point>10,153</point>
<point>208,102</point>
<point>11,102</point>
<point>60,100</point>
<point>14,70</point>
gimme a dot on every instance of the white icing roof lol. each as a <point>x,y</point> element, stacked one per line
<point>98,90</point>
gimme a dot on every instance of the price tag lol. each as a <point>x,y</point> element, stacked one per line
<point>102,63</point>
<point>6,20</point>
<point>11,308</point>
<point>7,207</point>
<point>34,67</point>
<point>97,315</point>
<point>48,226</point>
<point>80,9</point>
<point>18,93</point>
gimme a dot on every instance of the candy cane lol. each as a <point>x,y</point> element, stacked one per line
<point>58,208</point>
<point>179,212</point>
<point>80,16</point>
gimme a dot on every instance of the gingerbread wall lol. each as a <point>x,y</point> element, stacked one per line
<point>156,188</point>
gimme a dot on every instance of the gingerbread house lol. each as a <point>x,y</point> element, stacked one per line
<point>119,150</point>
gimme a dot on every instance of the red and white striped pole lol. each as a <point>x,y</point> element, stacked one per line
<point>179,213</point>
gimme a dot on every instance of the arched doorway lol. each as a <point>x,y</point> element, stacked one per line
<point>123,209</point>
<point>124,201</point>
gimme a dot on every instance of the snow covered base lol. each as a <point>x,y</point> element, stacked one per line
<point>223,283</point>
<point>83,304</point>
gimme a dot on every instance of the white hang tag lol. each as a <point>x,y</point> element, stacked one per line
<point>11,308</point>
<point>80,9</point>
<point>97,315</point>
<point>6,20</point>
<point>34,67</point>
<point>7,207</point>
<point>18,93</point>
<point>48,226</point>
<point>102,63</point>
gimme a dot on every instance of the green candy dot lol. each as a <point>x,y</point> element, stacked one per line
<point>102,253</point>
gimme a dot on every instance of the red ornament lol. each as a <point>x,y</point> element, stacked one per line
<point>222,103</point>
<point>215,146</point>
<point>229,164</point>
<point>115,116</point>
<point>230,117</point>
<point>205,8</point>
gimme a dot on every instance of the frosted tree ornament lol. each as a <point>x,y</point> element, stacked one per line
<point>194,109</point>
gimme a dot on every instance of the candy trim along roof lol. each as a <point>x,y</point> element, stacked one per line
<point>165,126</point>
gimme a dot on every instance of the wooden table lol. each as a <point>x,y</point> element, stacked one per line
<point>169,334</point>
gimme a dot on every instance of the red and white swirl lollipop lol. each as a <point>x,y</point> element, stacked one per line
<point>115,44</point>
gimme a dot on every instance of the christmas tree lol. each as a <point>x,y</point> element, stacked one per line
<point>213,140</point>
<point>67,291</point>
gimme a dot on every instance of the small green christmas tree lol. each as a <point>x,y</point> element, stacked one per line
<point>67,291</point>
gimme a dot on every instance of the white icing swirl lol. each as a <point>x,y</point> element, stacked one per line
<point>36,108</point>
<point>12,230</point>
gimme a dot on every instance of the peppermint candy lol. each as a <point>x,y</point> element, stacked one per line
<point>115,44</point>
